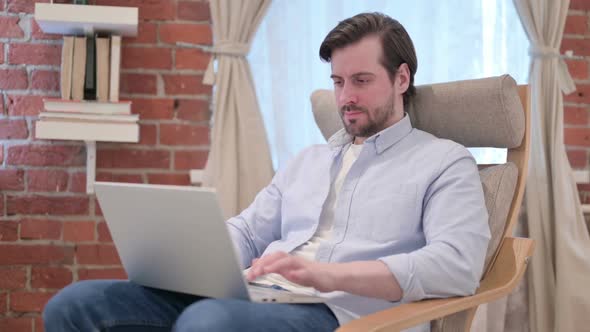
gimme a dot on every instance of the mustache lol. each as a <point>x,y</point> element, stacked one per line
<point>352,108</point>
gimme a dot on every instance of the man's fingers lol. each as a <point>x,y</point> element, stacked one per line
<point>257,268</point>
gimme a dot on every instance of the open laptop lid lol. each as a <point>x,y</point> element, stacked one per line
<point>172,237</point>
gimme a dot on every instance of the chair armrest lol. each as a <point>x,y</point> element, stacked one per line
<point>508,268</point>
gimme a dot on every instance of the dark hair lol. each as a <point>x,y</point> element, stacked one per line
<point>395,41</point>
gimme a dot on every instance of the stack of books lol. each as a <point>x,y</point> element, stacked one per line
<point>89,108</point>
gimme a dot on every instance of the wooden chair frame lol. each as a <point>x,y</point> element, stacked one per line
<point>504,272</point>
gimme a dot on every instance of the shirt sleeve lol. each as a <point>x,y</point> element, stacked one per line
<point>258,225</point>
<point>455,224</point>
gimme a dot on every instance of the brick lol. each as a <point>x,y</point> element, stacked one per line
<point>172,33</point>
<point>46,155</point>
<point>9,27</point>
<point>192,110</point>
<point>173,134</point>
<point>8,230</point>
<point>185,85</point>
<point>38,322</point>
<point>580,4</point>
<point>13,79</point>
<point>153,109</point>
<point>146,58</point>
<point>37,229</point>
<point>577,136</point>
<point>186,160</point>
<point>104,234</point>
<point>36,204</point>
<point>13,254</point>
<point>147,33</point>
<point>118,177</point>
<point>78,182</point>
<point>578,46</point>
<point>22,6</point>
<point>79,231</point>
<point>97,254</point>
<point>37,33</point>
<point>13,278</point>
<point>20,105</point>
<point>97,210</point>
<point>22,324</point>
<point>575,115</point>
<point>580,96</point>
<point>12,179</point>
<point>47,80</point>
<point>148,10</point>
<point>1,54</point>
<point>576,25</point>
<point>45,180</point>
<point>89,274</point>
<point>29,301</point>
<point>35,54</point>
<point>578,158</point>
<point>3,305</point>
<point>167,178</point>
<point>50,277</point>
<point>193,10</point>
<point>578,69</point>
<point>1,154</point>
<point>192,59</point>
<point>139,83</point>
<point>13,129</point>
<point>127,158</point>
<point>148,134</point>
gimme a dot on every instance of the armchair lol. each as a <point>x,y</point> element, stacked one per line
<point>489,112</point>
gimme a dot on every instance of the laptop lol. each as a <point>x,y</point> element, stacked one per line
<point>175,238</point>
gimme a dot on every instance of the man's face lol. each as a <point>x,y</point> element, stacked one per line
<point>368,101</point>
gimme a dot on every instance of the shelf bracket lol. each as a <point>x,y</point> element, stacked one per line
<point>90,166</point>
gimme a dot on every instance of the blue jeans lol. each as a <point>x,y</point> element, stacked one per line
<point>117,306</point>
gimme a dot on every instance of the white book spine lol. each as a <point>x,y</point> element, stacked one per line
<point>115,68</point>
<point>105,132</point>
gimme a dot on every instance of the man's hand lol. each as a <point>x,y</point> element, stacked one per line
<point>365,278</point>
<point>295,269</point>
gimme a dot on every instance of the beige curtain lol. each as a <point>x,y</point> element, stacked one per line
<point>559,296</point>
<point>239,163</point>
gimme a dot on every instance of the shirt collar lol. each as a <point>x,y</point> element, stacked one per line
<point>382,140</point>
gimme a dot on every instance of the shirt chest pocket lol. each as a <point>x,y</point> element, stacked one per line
<point>383,213</point>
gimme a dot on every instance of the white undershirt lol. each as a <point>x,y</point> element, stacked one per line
<point>323,233</point>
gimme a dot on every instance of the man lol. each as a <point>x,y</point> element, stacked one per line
<point>384,213</point>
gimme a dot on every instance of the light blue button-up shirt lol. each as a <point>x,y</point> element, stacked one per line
<point>411,200</point>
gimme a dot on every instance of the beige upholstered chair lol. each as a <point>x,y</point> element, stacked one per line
<point>490,112</point>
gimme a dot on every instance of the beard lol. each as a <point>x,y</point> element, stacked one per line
<point>376,120</point>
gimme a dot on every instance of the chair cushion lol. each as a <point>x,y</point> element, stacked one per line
<point>476,113</point>
<point>499,183</point>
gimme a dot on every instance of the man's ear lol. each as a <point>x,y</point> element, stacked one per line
<point>402,79</point>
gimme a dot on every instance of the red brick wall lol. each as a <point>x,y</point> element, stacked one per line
<point>577,105</point>
<point>51,232</point>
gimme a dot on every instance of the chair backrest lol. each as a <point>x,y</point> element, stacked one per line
<point>489,112</point>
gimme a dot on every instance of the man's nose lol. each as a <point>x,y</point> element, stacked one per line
<point>348,95</point>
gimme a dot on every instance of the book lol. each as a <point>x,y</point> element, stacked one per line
<point>102,69</point>
<point>67,61</point>
<point>115,68</point>
<point>87,131</point>
<point>70,19</point>
<point>79,68</point>
<point>90,77</point>
<point>92,107</point>
<point>133,118</point>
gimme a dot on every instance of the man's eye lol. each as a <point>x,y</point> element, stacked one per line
<point>362,80</point>
<point>337,83</point>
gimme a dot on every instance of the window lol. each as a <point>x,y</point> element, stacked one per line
<point>454,40</point>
